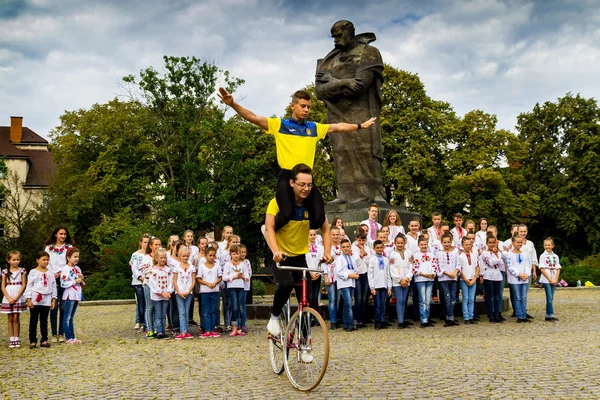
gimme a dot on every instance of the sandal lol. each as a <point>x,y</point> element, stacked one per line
<point>32,345</point>
<point>11,344</point>
<point>44,344</point>
<point>17,344</point>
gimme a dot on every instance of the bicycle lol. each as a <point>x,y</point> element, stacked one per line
<point>302,350</point>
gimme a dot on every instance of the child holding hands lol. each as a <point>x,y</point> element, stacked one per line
<point>40,295</point>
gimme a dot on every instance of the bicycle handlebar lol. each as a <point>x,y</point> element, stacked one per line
<point>314,271</point>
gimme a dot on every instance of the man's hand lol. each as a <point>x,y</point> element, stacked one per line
<point>225,96</point>
<point>354,85</point>
<point>279,256</point>
<point>327,258</point>
<point>368,123</point>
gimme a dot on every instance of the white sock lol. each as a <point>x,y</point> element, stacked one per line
<point>12,339</point>
<point>274,317</point>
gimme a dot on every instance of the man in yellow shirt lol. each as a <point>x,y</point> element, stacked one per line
<point>296,142</point>
<point>290,243</point>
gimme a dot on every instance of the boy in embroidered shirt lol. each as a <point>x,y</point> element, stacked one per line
<point>372,224</point>
<point>458,232</point>
<point>345,275</point>
<point>333,295</point>
<point>295,142</point>
<point>550,269</point>
<point>425,268</point>
<point>380,282</point>
<point>435,230</point>
<point>447,275</point>
<point>361,285</point>
<point>469,266</point>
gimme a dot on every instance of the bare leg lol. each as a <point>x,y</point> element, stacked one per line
<point>11,330</point>
<point>17,325</point>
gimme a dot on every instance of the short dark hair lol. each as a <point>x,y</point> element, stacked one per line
<point>300,95</point>
<point>377,243</point>
<point>300,169</point>
<point>361,235</point>
<point>344,241</point>
<point>41,254</point>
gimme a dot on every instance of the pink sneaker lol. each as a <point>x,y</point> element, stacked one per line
<point>180,336</point>
<point>189,335</point>
<point>215,334</point>
<point>206,335</point>
<point>233,334</point>
<point>240,333</point>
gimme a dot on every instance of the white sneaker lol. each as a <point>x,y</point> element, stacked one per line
<point>136,327</point>
<point>306,357</point>
<point>274,328</point>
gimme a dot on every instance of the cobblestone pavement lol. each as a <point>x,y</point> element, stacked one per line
<point>536,360</point>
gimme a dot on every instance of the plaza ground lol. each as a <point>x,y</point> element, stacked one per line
<point>537,360</point>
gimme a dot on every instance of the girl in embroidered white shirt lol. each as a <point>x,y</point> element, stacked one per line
<point>161,286</point>
<point>469,264</point>
<point>14,281</point>
<point>235,275</point>
<point>40,296</point>
<point>184,279</point>
<point>313,257</point>
<point>137,280</point>
<point>519,269</point>
<point>425,268</point>
<point>401,273</point>
<point>388,246</point>
<point>209,277</point>
<point>247,283</point>
<point>492,265</point>
<point>71,280</point>
<point>550,268</point>
<point>333,295</point>
<point>448,259</point>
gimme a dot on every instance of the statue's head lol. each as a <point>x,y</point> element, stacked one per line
<point>343,35</point>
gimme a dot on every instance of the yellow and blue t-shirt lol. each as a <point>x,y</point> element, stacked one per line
<point>292,238</point>
<point>296,141</point>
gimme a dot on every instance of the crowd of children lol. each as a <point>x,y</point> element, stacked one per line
<point>459,262</point>
<point>52,289</point>
<point>383,262</point>
<point>168,281</point>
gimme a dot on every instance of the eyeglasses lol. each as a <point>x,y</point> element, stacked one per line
<point>304,185</point>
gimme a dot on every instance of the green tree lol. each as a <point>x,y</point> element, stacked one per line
<point>562,166</point>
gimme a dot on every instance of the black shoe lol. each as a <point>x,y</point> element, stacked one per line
<point>449,323</point>
<point>529,316</point>
<point>430,323</point>
<point>455,322</point>
<point>519,320</point>
<point>377,327</point>
<point>424,324</point>
<point>332,327</point>
<point>501,318</point>
<point>473,322</point>
<point>549,319</point>
<point>401,326</point>
<point>408,323</point>
<point>513,315</point>
<point>349,329</point>
<point>386,324</point>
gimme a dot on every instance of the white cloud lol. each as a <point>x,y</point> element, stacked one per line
<point>499,56</point>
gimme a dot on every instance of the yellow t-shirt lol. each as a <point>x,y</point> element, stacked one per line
<point>292,238</point>
<point>295,142</point>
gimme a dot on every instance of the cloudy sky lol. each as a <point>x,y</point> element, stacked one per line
<point>499,56</point>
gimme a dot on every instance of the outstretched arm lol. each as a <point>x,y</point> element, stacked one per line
<point>242,112</point>
<point>344,127</point>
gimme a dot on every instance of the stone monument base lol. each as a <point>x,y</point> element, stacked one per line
<point>354,213</point>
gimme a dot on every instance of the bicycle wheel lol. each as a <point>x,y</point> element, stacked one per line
<point>276,344</point>
<point>307,352</point>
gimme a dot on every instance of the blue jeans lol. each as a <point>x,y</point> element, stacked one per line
<point>549,289</point>
<point>360,297</point>
<point>54,317</point>
<point>424,289</point>
<point>400,293</point>
<point>68,315</point>
<point>380,297</point>
<point>242,317</point>
<point>160,312</point>
<point>140,308</point>
<point>493,298</point>
<point>183,307</point>
<point>521,299</point>
<point>333,296</point>
<point>468,300</point>
<point>235,297</point>
<point>210,311</point>
<point>226,306</point>
<point>149,313</point>
<point>448,291</point>
<point>347,314</point>
<point>173,312</point>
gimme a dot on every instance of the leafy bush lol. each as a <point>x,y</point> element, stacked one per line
<point>586,270</point>
<point>258,288</point>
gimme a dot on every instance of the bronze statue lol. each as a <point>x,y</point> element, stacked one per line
<point>349,80</point>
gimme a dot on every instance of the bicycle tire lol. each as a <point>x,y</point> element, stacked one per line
<point>276,345</point>
<point>311,338</point>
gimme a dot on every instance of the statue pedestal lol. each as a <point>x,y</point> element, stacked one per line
<point>353,214</point>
